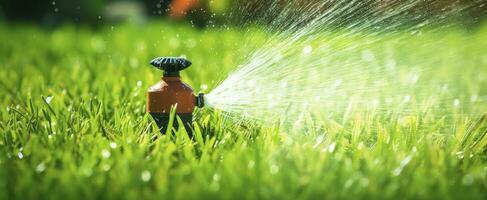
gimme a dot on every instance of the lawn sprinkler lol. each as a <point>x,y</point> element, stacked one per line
<point>171,91</point>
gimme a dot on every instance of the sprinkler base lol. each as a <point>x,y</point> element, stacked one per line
<point>162,121</point>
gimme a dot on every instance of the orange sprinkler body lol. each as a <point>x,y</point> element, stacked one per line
<point>168,92</point>
<point>171,91</point>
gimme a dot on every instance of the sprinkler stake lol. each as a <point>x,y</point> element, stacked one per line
<point>171,91</point>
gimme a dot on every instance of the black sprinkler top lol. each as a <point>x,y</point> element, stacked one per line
<point>170,65</point>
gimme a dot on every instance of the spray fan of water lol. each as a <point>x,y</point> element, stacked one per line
<point>334,57</point>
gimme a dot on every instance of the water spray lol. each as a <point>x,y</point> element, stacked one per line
<point>172,92</point>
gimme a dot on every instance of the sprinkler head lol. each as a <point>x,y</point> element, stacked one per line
<point>170,65</point>
<point>171,91</point>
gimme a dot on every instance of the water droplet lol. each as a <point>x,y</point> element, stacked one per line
<point>406,99</point>
<point>319,140</point>
<point>331,148</point>
<point>145,176</point>
<point>99,17</point>
<point>49,99</point>
<point>474,98</point>
<point>251,164</point>
<point>307,49</point>
<point>444,88</point>
<point>274,169</point>
<point>459,155</point>
<point>397,171</point>
<point>40,167</point>
<point>113,145</point>
<point>456,102</point>
<point>105,154</point>
<point>53,3</point>
<point>413,79</point>
<point>468,180</point>
<point>405,161</point>
<point>20,155</point>
<point>338,83</point>
<point>106,167</point>
<point>216,177</point>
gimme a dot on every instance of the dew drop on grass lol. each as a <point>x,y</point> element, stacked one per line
<point>338,82</point>
<point>406,99</point>
<point>307,49</point>
<point>113,145</point>
<point>106,167</point>
<point>397,171</point>
<point>40,167</point>
<point>456,102</point>
<point>406,161</point>
<point>444,88</point>
<point>473,98</point>
<point>251,164</point>
<point>216,177</point>
<point>105,154</point>
<point>468,180</point>
<point>274,169</point>
<point>459,155</point>
<point>319,140</point>
<point>49,99</point>
<point>331,148</point>
<point>20,155</point>
<point>145,176</point>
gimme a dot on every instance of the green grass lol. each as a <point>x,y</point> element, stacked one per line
<point>73,125</point>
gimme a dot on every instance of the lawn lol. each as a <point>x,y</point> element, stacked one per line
<point>73,124</point>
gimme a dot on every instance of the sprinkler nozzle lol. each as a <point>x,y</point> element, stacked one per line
<point>170,65</point>
<point>170,91</point>
<point>200,100</point>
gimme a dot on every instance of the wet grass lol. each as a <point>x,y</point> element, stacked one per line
<point>73,126</point>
